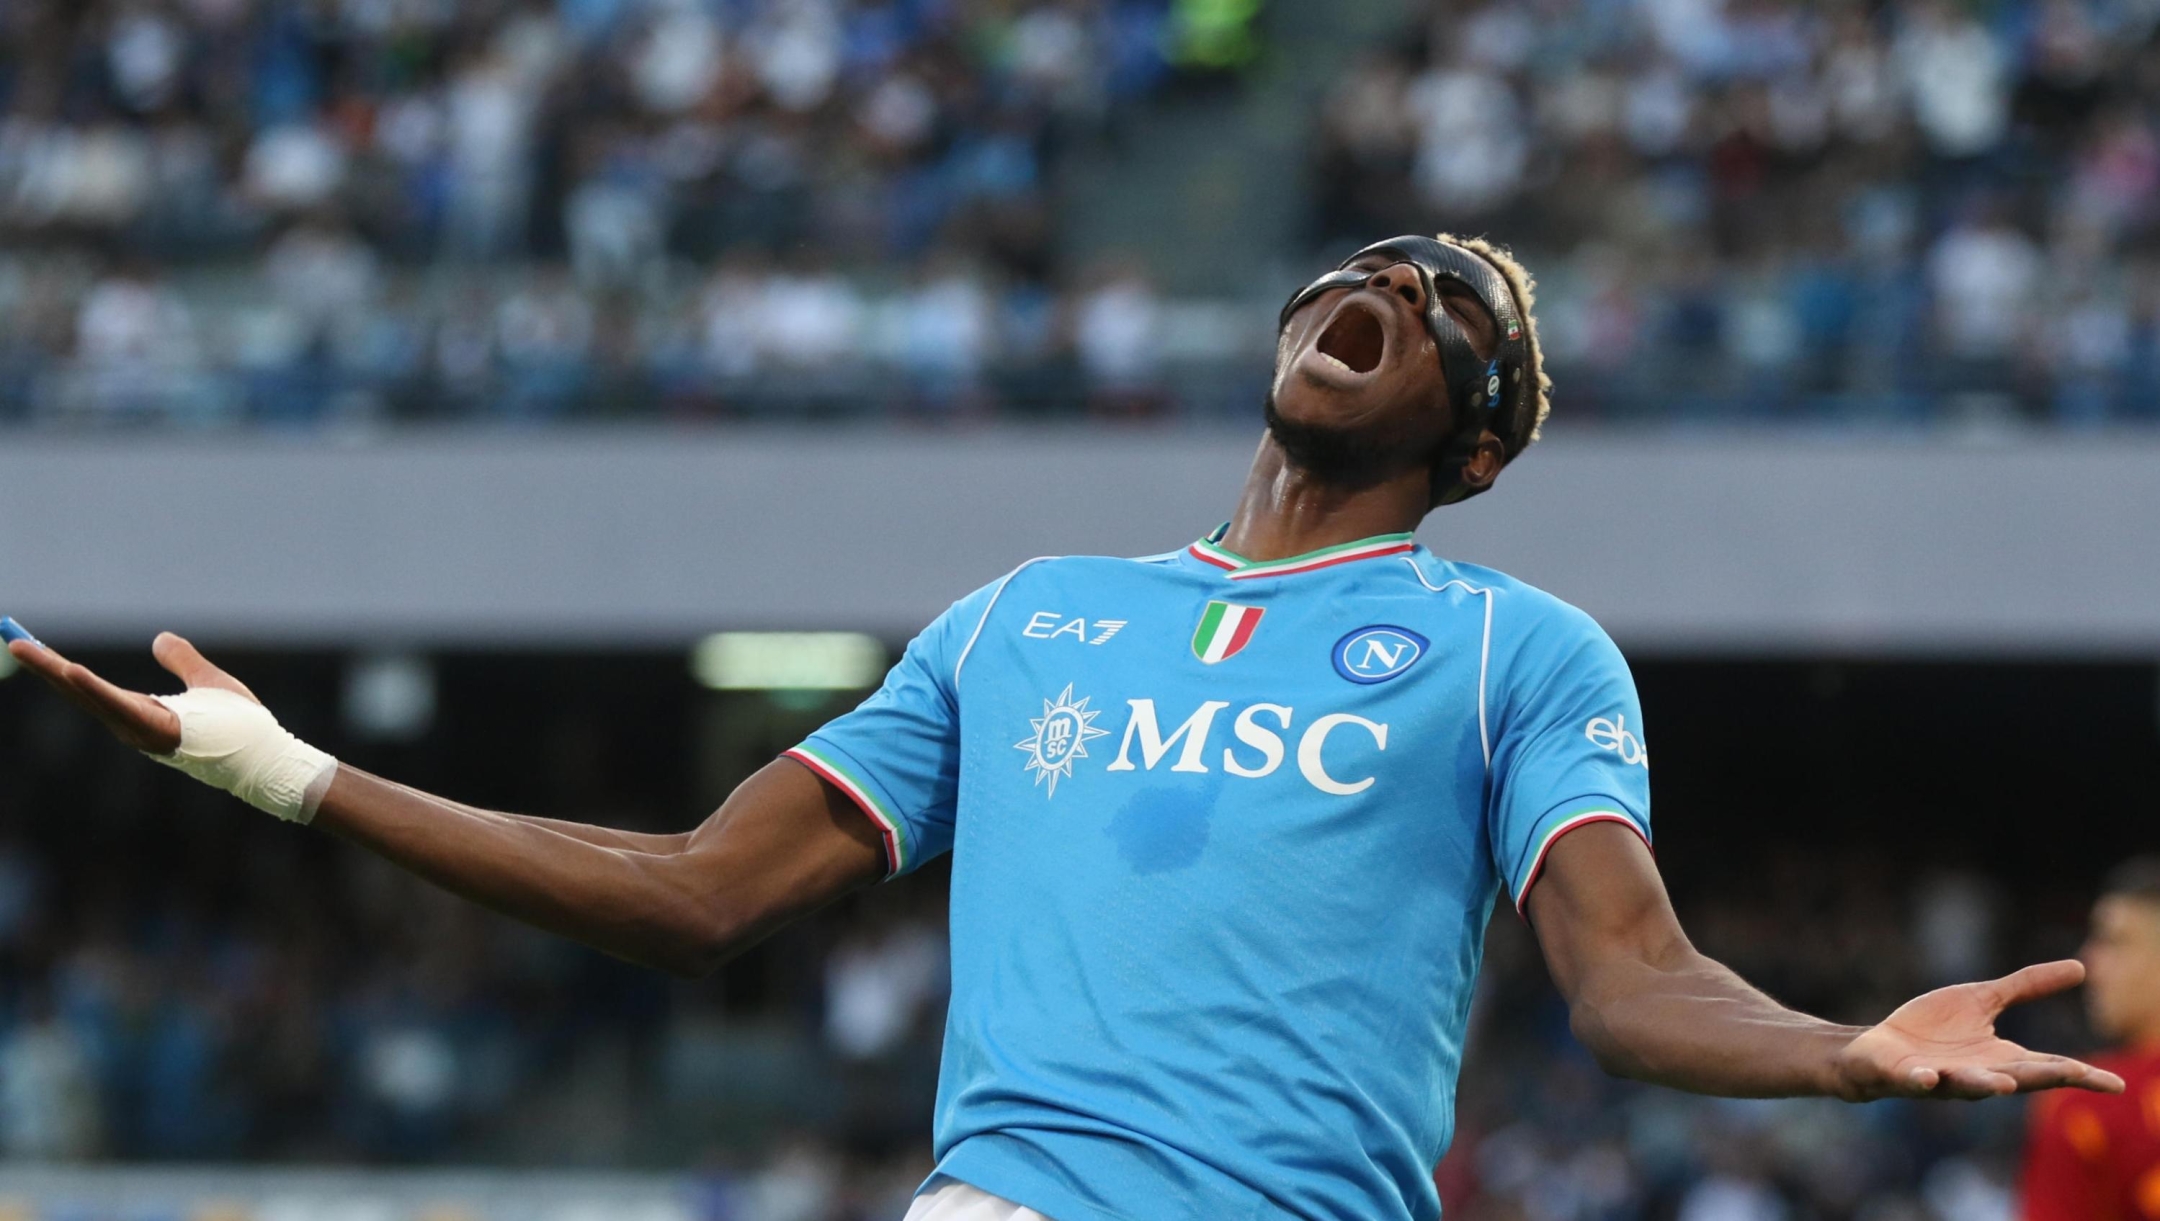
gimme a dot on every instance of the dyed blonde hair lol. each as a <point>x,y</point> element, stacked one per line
<point>1528,420</point>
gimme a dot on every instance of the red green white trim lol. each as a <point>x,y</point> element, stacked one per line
<point>1584,819</point>
<point>1208,551</point>
<point>1225,627</point>
<point>888,826</point>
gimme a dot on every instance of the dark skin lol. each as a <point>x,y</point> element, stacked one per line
<point>1645,1002</point>
<point>1286,511</point>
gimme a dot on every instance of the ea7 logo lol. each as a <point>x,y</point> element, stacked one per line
<point>1049,625</point>
<point>1612,733</point>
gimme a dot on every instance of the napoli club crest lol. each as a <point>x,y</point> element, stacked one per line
<point>1378,653</point>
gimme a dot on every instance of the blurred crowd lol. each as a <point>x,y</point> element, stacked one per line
<point>291,209</point>
<point>604,132</point>
<point>325,337</point>
<point>223,1017</point>
<point>307,210</point>
<point>1755,206</point>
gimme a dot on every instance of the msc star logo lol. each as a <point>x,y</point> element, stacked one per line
<point>1061,736</point>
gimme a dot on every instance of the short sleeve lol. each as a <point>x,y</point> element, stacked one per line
<point>1569,748</point>
<point>898,754</point>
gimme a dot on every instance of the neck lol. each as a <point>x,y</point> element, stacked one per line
<point>1285,511</point>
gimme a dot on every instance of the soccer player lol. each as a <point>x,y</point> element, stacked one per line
<point>2098,1159</point>
<point>1227,823</point>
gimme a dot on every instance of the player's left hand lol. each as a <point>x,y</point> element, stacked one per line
<point>1943,1045</point>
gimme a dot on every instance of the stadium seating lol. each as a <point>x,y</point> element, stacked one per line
<point>618,210</point>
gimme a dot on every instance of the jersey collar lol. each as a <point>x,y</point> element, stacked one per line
<point>1210,551</point>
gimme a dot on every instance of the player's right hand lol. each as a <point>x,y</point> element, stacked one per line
<point>133,717</point>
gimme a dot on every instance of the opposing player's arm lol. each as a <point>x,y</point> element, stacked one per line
<point>783,843</point>
<point>1650,1006</point>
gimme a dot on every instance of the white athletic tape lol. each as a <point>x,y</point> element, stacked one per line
<point>230,742</point>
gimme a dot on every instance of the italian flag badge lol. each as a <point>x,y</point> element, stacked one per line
<point>1223,630</point>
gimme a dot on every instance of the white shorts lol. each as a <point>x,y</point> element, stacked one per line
<point>953,1200</point>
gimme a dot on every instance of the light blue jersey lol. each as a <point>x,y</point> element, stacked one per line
<point>1225,838</point>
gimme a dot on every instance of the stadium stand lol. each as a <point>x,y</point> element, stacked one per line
<point>1774,210</point>
<point>293,214</point>
<point>287,211</point>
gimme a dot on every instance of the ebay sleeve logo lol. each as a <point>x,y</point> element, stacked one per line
<point>1612,733</point>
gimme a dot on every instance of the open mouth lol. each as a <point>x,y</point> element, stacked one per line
<point>1353,339</point>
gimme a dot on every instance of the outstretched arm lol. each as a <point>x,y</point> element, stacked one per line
<point>783,844</point>
<point>662,843</point>
<point>1651,1007</point>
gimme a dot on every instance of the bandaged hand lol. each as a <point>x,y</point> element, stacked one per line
<point>230,742</point>
<point>216,731</point>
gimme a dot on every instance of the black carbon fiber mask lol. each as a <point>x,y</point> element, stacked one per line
<point>1490,393</point>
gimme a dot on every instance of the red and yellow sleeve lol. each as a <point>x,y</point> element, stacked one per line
<point>2066,1144</point>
